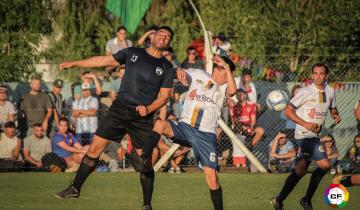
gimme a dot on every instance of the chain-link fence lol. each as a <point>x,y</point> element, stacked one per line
<point>270,122</point>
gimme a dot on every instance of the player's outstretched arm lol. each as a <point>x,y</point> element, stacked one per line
<point>96,61</point>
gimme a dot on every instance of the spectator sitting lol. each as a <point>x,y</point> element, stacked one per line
<point>7,109</point>
<point>146,38</point>
<point>357,115</point>
<point>115,81</point>
<point>84,111</point>
<point>9,148</point>
<point>221,46</point>
<point>36,146</point>
<point>192,60</point>
<point>355,151</point>
<point>282,154</point>
<point>90,79</point>
<point>243,117</point>
<point>331,151</point>
<point>57,106</point>
<point>65,145</point>
<point>36,106</point>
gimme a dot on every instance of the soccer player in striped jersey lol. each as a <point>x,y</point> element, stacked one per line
<point>308,109</point>
<point>199,119</point>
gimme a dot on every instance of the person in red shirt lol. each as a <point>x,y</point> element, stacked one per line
<point>243,118</point>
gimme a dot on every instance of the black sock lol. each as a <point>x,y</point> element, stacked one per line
<point>289,185</point>
<point>346,181</point>
<point>87,165</point>
<point>217,198</point>
<point>150,144</point>
<point>147,183</point>
<point>316,177</point>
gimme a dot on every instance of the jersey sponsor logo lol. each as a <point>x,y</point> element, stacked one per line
<point>134,58</point>
<point>159,71</point>
<point>316,115</point>
<point>194,96</point>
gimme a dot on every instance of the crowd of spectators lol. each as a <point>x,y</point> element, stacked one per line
<point>48,133</point>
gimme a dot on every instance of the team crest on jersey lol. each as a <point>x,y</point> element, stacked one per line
<point>159,71</point>
<point>134,58</point>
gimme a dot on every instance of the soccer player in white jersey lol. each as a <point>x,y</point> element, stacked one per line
<point>308,109</point>
<point>199,119</point>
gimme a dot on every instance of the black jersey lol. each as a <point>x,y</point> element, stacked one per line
<point>144,76</point>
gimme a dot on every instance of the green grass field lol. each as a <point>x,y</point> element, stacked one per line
<point>121,191</point>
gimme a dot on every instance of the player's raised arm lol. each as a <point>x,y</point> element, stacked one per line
<point>96,61</point>
<point>231,85</point>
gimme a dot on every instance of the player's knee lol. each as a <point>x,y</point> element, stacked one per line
<point>325,166</point>
<point>94,151</point>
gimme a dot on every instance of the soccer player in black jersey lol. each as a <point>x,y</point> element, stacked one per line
<point>145,87</point>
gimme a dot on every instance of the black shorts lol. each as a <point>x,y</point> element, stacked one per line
<point>123,119</point>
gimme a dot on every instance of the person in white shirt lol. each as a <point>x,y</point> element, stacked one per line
<point>308,109</point>
<point>199,119</point>
<point>85,113</point>
<point>7,109</point>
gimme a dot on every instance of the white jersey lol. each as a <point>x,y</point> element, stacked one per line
<point>203,102</point>
<point>312,105</point>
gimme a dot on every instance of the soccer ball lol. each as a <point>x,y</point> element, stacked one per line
<point>277,100</point>
<point>336,196</point>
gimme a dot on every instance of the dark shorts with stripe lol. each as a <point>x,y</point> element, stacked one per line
<point>202,143</point>
<point>311,149</point>
<point>123,119</point>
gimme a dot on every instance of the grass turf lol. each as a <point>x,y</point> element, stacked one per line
<point>122,191</point>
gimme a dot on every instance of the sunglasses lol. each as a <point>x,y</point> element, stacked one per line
<point>191,53</point>
<point>327,141</point>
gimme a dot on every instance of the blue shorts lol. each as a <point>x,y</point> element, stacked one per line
<point>311,149</point>
<point>202,143</point>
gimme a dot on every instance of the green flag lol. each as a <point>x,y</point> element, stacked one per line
<point>129,11</point>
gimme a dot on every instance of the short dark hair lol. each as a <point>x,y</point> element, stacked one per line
<point>86,72</point>
<point>190,48</point>
<point>37,125</point>
<point>320,65</point>
<point>246,72</point>
<point>10,124</point>
<point>357,136</point>
<point>64,119</point>
<point>166,28</point>
<point>121,28</point>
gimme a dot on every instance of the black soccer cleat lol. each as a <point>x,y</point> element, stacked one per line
<point>307,205</point>
<point>140,163</point>
<point>147,207</point>
<point>276,205</point>
<point>70,192</point>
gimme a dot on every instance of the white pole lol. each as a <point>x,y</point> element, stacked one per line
<point>243,148</point>
<point>166,157</point>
